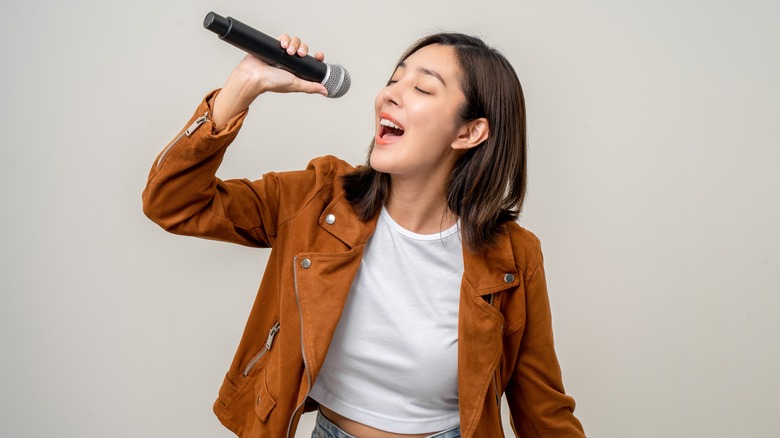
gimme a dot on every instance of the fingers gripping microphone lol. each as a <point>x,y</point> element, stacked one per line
<point>333,76</point>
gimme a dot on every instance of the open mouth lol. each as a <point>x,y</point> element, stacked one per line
<point>389,130</point>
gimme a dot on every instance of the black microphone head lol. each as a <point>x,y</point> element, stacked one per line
<point>216,23</point>
<point>337,80</point>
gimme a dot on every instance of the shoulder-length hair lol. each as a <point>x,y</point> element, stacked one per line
<point>487,185</point>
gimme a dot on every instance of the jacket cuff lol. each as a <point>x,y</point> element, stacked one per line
<point>232,124</point>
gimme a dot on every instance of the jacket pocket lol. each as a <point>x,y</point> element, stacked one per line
<point>237,384</point>
<point>269,342</point>
<point>264,403</point>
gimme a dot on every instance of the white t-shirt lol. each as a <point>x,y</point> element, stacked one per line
<point>393,360</point>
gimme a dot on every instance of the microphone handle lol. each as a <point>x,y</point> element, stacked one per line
<point>264,47</point>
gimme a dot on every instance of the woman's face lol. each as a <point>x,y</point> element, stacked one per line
<point>417,116</point>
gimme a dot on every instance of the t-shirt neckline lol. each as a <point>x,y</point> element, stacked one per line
<point>412,235</point>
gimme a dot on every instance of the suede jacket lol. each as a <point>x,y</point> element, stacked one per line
<point>505,339</point>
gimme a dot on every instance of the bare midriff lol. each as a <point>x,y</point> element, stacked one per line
<point>360,430</point>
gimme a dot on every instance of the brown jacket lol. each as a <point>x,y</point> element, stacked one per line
<point>505,339</point>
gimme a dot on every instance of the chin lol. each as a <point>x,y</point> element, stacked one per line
<point>377,163</point>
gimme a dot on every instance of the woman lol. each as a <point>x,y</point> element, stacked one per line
<point>400,297</point>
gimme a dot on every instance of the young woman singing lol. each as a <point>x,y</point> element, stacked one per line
<point>401,298</point>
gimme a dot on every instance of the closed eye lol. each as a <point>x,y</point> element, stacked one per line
<point>392,81</point>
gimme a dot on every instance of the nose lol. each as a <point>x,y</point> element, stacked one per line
<point>391,94</point>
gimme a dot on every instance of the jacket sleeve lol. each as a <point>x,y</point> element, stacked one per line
<point>538,405</point>
<point>184,196</point>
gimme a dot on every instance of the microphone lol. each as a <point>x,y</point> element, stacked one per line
<point>334,77</point>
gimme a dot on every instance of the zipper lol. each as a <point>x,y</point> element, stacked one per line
<point>188,132</point>
<point>303,350</point>
<point>269,341</point>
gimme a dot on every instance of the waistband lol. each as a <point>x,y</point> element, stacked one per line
<point>324,428</point>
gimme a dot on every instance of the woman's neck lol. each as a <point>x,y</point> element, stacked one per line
<point>420,208</point>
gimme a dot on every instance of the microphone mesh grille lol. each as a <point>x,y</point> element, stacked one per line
<point>338,81</point>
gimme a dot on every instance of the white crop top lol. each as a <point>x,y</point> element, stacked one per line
<point>393,361</point>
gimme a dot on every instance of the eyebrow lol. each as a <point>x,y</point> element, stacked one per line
<point>426,71</point>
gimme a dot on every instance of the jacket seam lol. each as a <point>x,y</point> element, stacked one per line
<point>533,272</point>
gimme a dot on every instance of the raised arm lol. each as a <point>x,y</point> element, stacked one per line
<point>184,196</point>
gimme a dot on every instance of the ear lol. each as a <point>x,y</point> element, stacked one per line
<point>472,134</point>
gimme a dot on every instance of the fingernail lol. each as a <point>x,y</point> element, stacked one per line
<point>290,51</point>
<point>300,51</point>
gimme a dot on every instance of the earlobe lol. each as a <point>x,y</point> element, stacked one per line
<point>472,134</point>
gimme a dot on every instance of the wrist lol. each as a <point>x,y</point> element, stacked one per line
<point>234,97</point>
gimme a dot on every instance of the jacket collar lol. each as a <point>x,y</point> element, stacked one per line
<point>340,220</point>
<point>491,270</point>
<point>488,271</point>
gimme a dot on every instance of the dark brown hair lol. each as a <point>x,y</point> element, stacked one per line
<point>487,185</point>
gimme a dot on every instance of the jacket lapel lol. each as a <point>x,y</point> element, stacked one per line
<point>480,326</point>
<point>325,281</point>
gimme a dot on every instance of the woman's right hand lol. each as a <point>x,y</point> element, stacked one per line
<point>253,77</point>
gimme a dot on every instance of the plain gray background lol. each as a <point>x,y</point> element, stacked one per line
<point>653,187</point>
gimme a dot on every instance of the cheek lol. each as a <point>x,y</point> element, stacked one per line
<point>433,114</point>
<point>436,123</point>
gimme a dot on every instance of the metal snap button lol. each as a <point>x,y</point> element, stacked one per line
<point>306,263</point>
<point>330,219</point>
<point>508,278</point>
